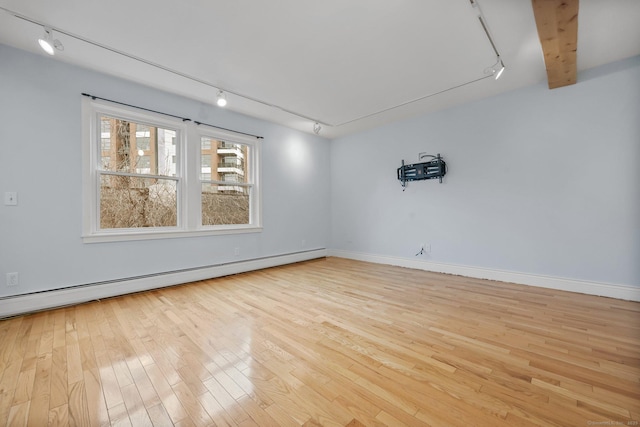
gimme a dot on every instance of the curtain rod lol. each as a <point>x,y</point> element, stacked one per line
<point>135,106</point>
<point>230,130</point>
<point>184,119</point>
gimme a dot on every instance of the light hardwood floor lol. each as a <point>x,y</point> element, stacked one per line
<point>330,342</point>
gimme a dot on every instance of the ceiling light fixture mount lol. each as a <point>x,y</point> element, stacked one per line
<point>221,99</point>
<point>317,128</point>
<point>496,69</point>
<point>48,43</point>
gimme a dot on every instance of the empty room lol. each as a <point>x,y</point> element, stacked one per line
<point>338,213</point>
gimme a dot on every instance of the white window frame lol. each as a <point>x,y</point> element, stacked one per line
<point>187,178</point>
<point>251,168</point>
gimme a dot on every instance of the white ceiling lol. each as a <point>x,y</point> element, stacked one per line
<point>350,65</point>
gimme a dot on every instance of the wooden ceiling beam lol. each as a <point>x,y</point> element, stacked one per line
<point>557,22</point>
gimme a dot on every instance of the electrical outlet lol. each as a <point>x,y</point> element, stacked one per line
<point>12,279</point>
<point>303,243</point>
<point>236,251</point>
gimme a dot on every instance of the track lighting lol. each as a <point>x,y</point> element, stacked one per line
<point>222,100</point>
<point>48,44</point>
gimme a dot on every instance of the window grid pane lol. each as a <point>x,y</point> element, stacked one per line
<point>220,206</point>
<point>137,202</point>
<point>127,146</point>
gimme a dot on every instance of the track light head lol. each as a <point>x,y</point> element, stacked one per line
<point>317,128</point>
<point>222,99</point>
<point>496,69</point>
<point>48,44</point>
<point>500,70</point>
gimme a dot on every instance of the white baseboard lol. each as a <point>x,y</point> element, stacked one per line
<point>20,304</point>
<point>625,292</point>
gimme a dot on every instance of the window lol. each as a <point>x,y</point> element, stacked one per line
<point>137,183</point>
<point>137,190</point>
<point>143,136</point>
<point>105,135</point>
<point>206,162</point>
<point>223,203</point>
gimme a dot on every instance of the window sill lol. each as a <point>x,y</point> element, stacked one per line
<point>122,236</point>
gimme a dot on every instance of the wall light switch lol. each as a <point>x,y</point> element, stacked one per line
<point>10,198</point>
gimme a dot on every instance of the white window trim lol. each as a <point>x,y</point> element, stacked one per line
<point>255,199</point>
<point>188,187</point>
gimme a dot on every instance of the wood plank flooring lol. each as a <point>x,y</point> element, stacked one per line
<point>330,342</point>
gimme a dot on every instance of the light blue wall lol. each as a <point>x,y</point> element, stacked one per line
<point>540,182</point>
<point>40,158</point>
